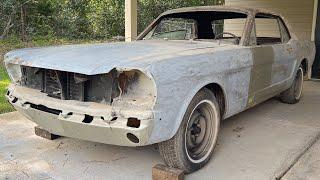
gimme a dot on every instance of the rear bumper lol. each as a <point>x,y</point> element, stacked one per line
<point>70,118</point>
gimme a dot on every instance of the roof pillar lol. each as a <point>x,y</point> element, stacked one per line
<point>131,20</point>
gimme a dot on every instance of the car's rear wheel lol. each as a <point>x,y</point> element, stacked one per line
<point>192,146</point>
<point>293,94</point>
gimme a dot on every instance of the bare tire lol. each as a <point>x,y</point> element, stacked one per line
<point>192,146</point>
<point>293,94</point>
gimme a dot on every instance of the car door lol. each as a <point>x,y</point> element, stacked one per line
<point>272,59</point>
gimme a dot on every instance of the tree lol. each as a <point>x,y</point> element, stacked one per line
<point>74,19</point>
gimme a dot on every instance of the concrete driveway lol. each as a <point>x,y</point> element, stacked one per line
<point>267,142</point>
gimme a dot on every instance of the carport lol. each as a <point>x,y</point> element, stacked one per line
<point>271,141</point>
<point>302,15</point>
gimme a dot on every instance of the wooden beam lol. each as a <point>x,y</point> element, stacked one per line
<point>131,20</point>
<point>44,133</point>
<point>160,172</point>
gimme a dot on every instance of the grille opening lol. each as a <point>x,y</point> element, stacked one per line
<point>133,122</point>
<point>64,85</point>
<point>45,109</point>
<point>75,89</point>
<point>51,84</point>
<point>102,88</point>
<point>87,119</point>
<point>32,77</point>
<point>133,138</point>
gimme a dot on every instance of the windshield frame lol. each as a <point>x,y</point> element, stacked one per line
<point>245,34</point>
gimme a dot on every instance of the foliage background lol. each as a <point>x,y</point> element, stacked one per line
<point>94,19</point>
<point>29,23</point>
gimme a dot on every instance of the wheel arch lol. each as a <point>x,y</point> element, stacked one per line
<point>305,66</point>
<point>217,90</point>
<point>220,95</point>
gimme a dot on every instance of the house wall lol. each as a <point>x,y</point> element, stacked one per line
<point>299,13</point>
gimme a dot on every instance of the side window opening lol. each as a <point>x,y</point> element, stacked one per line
<point>234,26</point>
<point>270,29</point>
<point>267,30</point>
<point>229,30</point>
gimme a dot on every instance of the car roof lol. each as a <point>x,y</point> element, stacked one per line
<point>236,9</point>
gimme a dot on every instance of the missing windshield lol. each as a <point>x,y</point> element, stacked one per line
<point>225,27</point>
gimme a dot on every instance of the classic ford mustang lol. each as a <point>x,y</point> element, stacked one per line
<point>190,69</point>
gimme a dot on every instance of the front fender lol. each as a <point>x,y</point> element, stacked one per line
<point>179,79</point>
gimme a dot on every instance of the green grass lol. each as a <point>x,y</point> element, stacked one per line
<point>15,43</point>
<point>4,82</point>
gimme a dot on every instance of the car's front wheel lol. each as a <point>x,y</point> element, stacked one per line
<point>293,94</point>
<point>192,146</point>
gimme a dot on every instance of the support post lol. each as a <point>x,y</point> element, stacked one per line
<point>314,21</point>
<point>316,38</point>
<point>131,20</point>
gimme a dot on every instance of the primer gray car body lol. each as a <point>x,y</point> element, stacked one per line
<point>174,72</point>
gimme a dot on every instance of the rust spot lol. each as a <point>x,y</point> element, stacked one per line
<point>124,79</point>
<point>133,122</point>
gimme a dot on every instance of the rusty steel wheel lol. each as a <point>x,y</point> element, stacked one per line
<point>201,131</point>
<point>293,94</point>
<point>298,85</point>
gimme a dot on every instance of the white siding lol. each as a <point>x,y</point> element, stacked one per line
<point>299,13</point>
